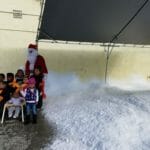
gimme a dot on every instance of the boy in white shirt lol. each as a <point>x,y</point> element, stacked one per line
<point>16,100</point>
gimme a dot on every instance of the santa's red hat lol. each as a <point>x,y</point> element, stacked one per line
<point>32,46</point>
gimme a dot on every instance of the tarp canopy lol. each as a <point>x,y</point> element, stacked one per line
<point>95,21</point>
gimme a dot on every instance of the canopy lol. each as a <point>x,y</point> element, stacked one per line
<point>96,21</point>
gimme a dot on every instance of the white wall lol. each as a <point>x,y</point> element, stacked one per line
<point>90,61</point>
<point>27,6</point>
<point>26,26</point>
<point>16,33</point>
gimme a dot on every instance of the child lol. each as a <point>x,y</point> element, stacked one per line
<point>19,76</point>
<point>39,85</point>
<point>16,100</point>
<point>4,96</point>
<point>10,77</point>
<point>11,86</point>
<point>24,85</point>
<point>31,97</point>
<point>2,77</point>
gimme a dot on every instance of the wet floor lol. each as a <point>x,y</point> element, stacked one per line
<point>14,135</point>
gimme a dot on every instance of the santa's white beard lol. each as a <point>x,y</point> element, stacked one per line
<point>32,58</point>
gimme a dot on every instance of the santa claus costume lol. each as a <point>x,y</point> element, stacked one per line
<point>34,60</point>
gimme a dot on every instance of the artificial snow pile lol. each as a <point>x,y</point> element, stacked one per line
<point>93,116</point>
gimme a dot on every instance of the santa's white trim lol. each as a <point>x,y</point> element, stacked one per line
<point>32,56</point>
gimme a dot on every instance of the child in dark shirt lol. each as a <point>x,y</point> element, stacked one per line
<point>39,85</point>
<point>19,76</point>
<point>2,77</point>
<point>4,95</point>
<point>10,82</point>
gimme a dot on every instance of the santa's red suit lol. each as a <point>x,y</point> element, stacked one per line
<point>34,60</point>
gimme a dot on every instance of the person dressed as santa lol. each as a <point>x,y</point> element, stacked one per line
<point>34,60</point>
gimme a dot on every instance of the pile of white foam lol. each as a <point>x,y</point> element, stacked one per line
<point>92,116</point>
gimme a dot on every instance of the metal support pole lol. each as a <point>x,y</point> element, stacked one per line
<point>106,69</point>
<point>117,35</point>
<point>40,20</point>
<point>107,59</point>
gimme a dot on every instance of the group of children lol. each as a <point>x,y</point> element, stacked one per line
<point>20,88</point>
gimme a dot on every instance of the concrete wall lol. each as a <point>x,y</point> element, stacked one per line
<point>17,33</point>
<point>90,61</point>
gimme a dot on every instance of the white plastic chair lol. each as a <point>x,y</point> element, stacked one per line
<point>12,105</point>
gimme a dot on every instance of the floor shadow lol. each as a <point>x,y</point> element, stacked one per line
<point>14,135</point>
